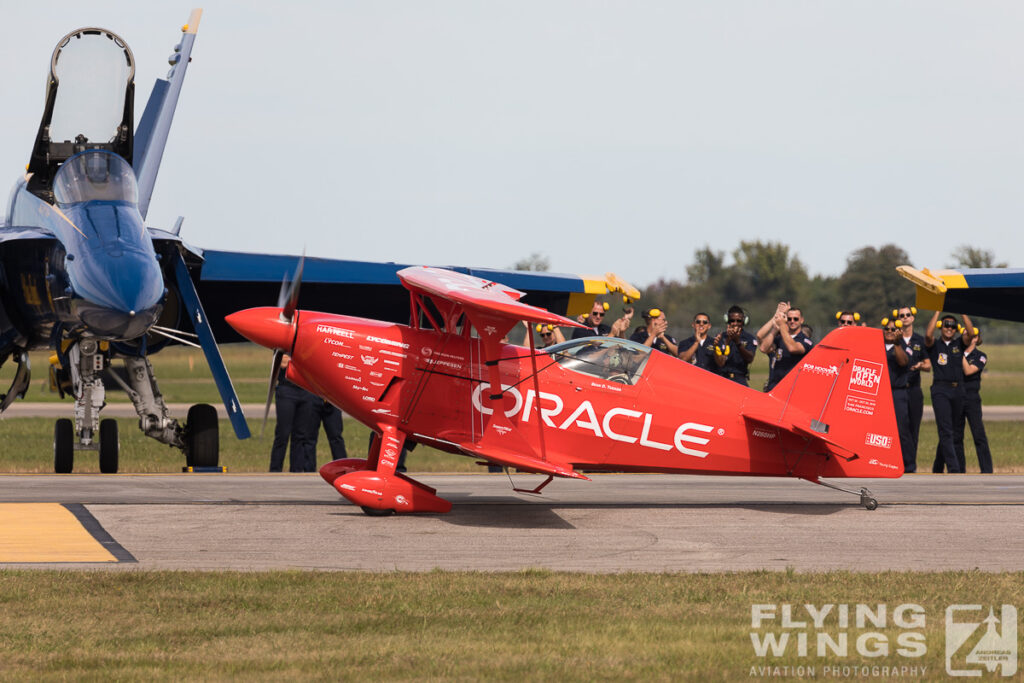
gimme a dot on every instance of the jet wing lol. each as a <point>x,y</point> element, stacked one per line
<point>229,281</point>
<point>988,292</point>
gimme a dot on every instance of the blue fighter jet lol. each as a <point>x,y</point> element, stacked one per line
<point>83,275</point>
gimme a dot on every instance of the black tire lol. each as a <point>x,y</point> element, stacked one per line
<point>63,446</point>
<point>202,436</point>
<point>376,512</point>
<point>109,446</point>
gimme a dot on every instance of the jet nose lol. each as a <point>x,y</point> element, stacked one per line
<point>264,327</point>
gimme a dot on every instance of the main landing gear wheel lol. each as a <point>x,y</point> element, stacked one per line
<point>63,446</point>
<point>377,512</point>
<point>109,446</point>
<point>202,436</point>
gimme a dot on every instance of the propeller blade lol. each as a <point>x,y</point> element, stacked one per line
<point>275,369</point>
<point>293,292</point>
<point>282,296</point>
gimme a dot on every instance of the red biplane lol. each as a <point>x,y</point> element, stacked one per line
<point>596,403</point>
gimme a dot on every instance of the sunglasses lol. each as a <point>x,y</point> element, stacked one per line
<point>597,314</point>
<point>890,329</point>
<point>702,322</point>
<point>842,323</point>
<point>796,320</point>
<point>949,324</point>
<point>906,315</point>
<point>738,321</point>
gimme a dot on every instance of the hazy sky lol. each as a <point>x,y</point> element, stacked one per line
<point>607,135</point>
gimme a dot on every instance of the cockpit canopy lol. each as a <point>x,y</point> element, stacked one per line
<point>95,175</point>
<point>609,358</point>
<point>90,96</point>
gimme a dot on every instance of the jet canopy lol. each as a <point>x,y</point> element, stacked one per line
<point>95,175</point>
<point>90,97</point>
<point>609,358</point>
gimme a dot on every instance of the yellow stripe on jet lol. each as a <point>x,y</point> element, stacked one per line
<point>46,532</point>
<point>580,303</point>
<point>932,285</point>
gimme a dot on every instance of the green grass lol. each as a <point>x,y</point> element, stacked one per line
<point>27,447</point>
<point>184,377</point>
<point>534,625</point>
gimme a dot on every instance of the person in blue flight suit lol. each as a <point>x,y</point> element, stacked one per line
<point>947,355</point>
<point>899,369</point>
<point>735,348</point>
<point>294,406</point>
<point>783,340</point>
<point>308,424</point>
<point>654,333</point>
<point>700,348</point>
<point>913,345</point>
<point>974,363</point>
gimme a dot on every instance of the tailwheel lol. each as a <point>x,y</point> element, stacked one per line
<point>377,512</point>
<point>109,446</point>
<point>867,500</point>
<point>63,446</point>
<point>202,436</point>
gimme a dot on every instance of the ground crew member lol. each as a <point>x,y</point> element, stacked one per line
<point>975,362</point>
<point>947,355</point>
<point>735,348</point>
<point>913,345</point>
<point>784,341</point>
<point>847,318</point>
<point>700,348</point>
<point>654,333</point>
<point>899,369</point>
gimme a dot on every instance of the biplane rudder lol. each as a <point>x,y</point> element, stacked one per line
<point>842,384</point>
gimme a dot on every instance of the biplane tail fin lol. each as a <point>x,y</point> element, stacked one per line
<point>839,394</point>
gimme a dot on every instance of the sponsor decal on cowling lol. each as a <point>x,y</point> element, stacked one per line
<point>336,331</point>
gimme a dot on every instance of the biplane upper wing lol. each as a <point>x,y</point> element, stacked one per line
<point>479,297</point>
<point>989,292</point>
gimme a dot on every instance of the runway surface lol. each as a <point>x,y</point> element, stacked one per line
<point>614,523</point>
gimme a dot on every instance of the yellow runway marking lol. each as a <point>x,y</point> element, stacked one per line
<point>46,532</point>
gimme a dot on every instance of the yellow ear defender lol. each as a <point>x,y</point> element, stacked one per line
<point>838,314</point>
<point>885,321</point>
<point>895,312</point>
<point>960,328</point>
<point>655,312</point>
<point>540,327</point>
<point>913,310</point>
<point>938,324</point>
<point>856,316</point>
<point>605,306</point>
<point>976,331</point>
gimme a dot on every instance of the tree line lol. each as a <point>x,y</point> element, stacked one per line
<point>760,274</point>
